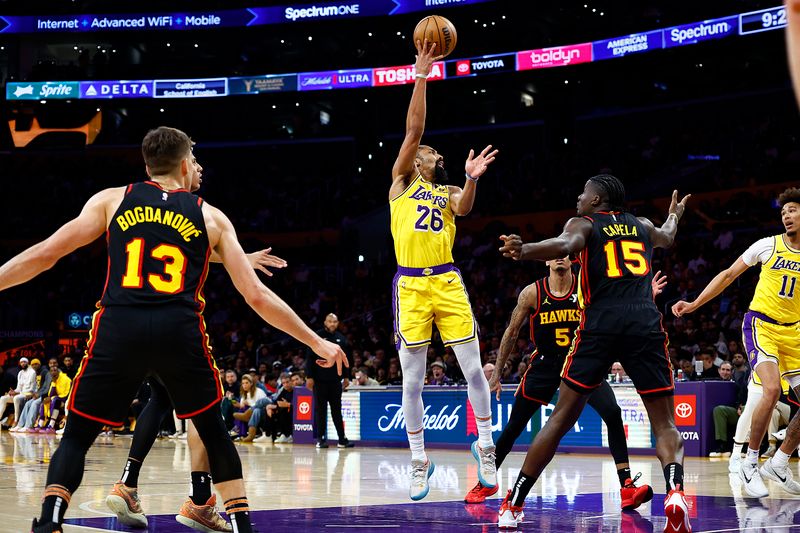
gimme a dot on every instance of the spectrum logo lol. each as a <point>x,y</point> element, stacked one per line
<point>554,57</point>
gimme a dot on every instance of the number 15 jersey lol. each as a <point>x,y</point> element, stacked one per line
<point>158,249</point>
<point>423,225</point>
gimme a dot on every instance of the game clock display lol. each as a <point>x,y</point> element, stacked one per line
<point>764,20</point>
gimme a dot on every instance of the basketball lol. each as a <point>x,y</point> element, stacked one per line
<point>439,30</point>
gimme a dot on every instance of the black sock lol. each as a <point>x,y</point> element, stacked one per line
<point>521,488</point>
<point>130,475</point>
<point>624,475</point>
<point>201,488</point>
<point>673,473</point>
<point>54,505</point>
<point>238,512</point>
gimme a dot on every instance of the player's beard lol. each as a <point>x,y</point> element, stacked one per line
<point>439,174</point>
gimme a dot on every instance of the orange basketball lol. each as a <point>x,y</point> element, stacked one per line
<point>439,30</point>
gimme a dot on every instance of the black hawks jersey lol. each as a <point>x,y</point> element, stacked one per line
<point>553,322</point>
<point>158,249</point>
<point>616,273</point>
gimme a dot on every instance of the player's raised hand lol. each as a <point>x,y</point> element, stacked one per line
<point>262,259</point>
<point>658,283</point>
<point>476,166</point>
<point>677,208</point>
<point>425,57</point>
<point>512,246</point>
<point>331,354</point>
<point>681,308</point>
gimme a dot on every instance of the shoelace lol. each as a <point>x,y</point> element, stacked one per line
<point>488,457</point>
<point>632,484</point>
<point>418,473</point>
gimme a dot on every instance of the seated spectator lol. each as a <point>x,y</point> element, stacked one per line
<point>280,413</point>
<point>30,410</point>
<point>395,374</point>
<point>26,386</point>
<point>298,379</point>
<point>438,375</point>
<point>249,394</point>
<point>53,404</point>
<point>726,371</point>
<point>363,379</point>
<point>69,367</point>
<point>618,372</point>
<point>688,370</point>
<point>488,370</point>
<point>710,371</point>
<point>230,387</point>
<point>521,368</point>
<point>740,367</point>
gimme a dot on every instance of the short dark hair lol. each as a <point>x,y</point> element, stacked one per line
<point>163,148</point>
<point>792,194</point>
<point>613,188</point>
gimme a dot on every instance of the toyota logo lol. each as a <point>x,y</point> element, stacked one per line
<point>683,410</point>
<point>304,407</point>
<point>463,67</point>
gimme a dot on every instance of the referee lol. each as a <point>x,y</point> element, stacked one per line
<point>327,386</point>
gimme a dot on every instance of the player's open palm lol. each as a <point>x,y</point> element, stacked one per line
<point>262,259</point>
<point>426,55</point>
<point>476,166</point>
<point>677,208</point>
<point>495,386</point>
<point>331,354</point>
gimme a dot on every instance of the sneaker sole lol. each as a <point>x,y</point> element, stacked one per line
<point>418,497</point>
<point>511,528</point>
<point>477,457</point>
<point>676,516</point>
<point>483,499</point>
<point>124,515</point>
<point>188,522</point>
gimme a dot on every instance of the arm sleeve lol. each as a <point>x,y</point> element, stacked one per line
<point>759,252</point>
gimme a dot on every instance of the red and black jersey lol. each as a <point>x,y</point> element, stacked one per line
<point>553,322</point>
<point>615,265</point>
<point>158,249</point>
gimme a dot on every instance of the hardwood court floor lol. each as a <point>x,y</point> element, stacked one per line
<point>300,488</point>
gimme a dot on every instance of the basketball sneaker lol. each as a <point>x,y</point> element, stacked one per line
<point>487,469</point>
<point>124,501</point>
<point>202,517</point>
<point>633,496</point>
<point>48,527</point>
<point>510,516</point>
<point>479,493</point>
<point>782,475</point>
<point>751,479</point>
<point>677,512</point>
<point>735,462</point>
<point>420,472</point>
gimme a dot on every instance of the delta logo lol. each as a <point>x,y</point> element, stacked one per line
<point>685,409</point>
<point>304,408</point>
<point>554,57</point>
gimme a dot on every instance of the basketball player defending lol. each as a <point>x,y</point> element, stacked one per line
<point>428,287</point>
<point>620,318</point>
<point>160,237</point>
<point>770,337</point>
<point>551,307</point>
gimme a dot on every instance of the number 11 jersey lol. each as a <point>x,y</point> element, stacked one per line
<point>158,249</point>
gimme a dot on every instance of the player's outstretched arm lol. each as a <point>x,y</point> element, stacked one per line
<point>80,231</point>
<point>259,260</point>
<point>265,302</point>
<point>462,200</point>
<point>572,240</point>
<point>664,236</point>
<point>713,289</point>
<point>793,43</point>
<point>415,120</point>
<point>527,299</point>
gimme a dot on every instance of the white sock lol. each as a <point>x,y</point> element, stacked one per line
<point>752,456</point>
<point>413,365</point>
<point>780,459</point>
<point>469,359</point>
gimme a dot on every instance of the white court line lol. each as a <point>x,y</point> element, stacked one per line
<point>752,528</point>
<point>599,516</point>
<point>86,506</point>
<point>87,528</point>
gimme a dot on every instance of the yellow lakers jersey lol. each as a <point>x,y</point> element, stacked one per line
<point>777,293</point>
<point>423,225</point>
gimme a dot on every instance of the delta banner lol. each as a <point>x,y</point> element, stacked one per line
<point>558,56</point>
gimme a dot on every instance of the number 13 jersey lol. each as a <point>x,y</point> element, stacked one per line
<point>423,225</point>
<point>780,267</point>
<point>158,249</point>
